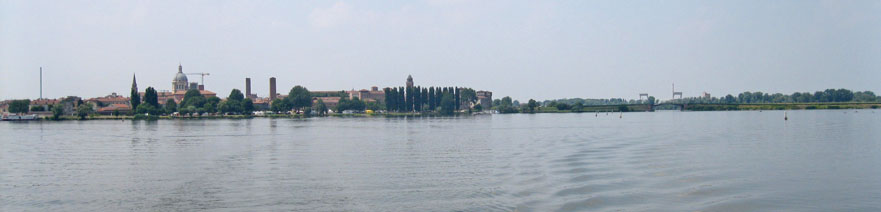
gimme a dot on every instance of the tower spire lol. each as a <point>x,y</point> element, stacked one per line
<point>134,82</point>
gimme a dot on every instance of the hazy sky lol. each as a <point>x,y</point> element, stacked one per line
<point>522,49</point>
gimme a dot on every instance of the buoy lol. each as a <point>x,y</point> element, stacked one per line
<point>785,117</point>
<point>621,115</point>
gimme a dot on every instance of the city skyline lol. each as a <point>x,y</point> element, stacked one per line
<point>526,50</point>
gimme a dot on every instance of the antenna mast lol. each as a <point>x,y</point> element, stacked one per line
<point>41,82</point>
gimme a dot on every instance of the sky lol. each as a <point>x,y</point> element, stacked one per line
<point>523,49</point>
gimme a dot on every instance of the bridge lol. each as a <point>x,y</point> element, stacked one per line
<point>632,107</point>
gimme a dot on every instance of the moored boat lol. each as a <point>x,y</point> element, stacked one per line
<point>15,117</point>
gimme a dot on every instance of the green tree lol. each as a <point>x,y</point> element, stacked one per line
<point>278,105</point>
<point>562,106</point>
<point>151,97</point>
<point>224,107</point>
<point>19,106</point>
<point>299,98</point>
<point>469,96</point>
<point>170,106</point>
<point>350,104</point>
<point>507,101</point>
<point>188,110</point>
<point>193,98</point>
<point>531,105</point>
<point>233,104</point>
<point>146,108</point>
<point>84,110</point>
<point>236,94</point>
<point>506,105</point>
<point>135,98</point>
<point>388,100</point>
<point>38,108</point>
<point>57,111</point>
<point>447,104</point>
<point>322,108</point>
<point>577,107</point>
<point>247,106</point>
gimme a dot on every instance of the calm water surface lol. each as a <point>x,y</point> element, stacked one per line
<point>662,161</point>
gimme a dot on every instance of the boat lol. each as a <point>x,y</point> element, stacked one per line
<point>15,117</point>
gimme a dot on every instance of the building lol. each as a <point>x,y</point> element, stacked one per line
<point>180,86</point>
<point>180,82</point>
<point>330,102</point>
<point>272,93</point>
<point>409,81</point>
<point>248,93</point>
<point>261,104</point>
<point>707,95</point>
<point>44,103</point>
<point>373,94</point>
<point>485,99</point>
<point>115,109</point>
<point>339,93</point>
<point>179,95</point>
<point>108,100</point>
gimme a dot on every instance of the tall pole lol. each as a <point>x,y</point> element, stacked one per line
<point>41,82</point>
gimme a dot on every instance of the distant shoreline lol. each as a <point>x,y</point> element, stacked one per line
<point>587,109</point>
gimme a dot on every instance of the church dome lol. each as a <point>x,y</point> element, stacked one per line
<point>181,77</point>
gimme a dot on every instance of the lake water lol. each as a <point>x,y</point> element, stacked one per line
<point>661,161</point>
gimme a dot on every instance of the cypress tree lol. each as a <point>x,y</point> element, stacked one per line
<point>417,99</point>
<point>402,103</point>
<point>456,96</point>
<point>386,93</point>
<point>135,99</point>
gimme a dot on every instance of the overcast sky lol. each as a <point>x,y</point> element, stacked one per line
<point>523,49</point>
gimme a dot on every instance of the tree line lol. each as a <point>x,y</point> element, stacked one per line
<point>445,100</point>
<point>193,103</point>
<point>828,95</point>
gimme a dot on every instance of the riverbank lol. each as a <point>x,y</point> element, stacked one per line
<point>586,109</point>
<point>711,107</point>
<point>781,106</point>
<point>145,117</point>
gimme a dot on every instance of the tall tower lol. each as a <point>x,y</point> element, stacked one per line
<point>409,81</point>
<point>248,88</point>
<point>272,88</point>
<point>134,83</point>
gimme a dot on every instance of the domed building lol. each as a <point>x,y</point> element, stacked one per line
<point>180,85</point>
<point>180,82</point>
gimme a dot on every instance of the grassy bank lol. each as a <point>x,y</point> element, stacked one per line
<point>782,106</point>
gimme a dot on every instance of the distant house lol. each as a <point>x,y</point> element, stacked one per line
<point>330,102</point>
<point>261,103</point>
<point>179,95</point>
<point>108,100</point>
<point>366,95</point>
<point>114,109</point>
<point>485,99</point>
<point>44,103</point>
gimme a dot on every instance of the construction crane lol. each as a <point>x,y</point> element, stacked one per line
<point>202,74</point>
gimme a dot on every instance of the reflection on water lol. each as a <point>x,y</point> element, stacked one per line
<point>667,161</point>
